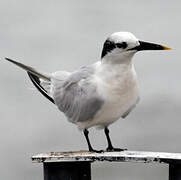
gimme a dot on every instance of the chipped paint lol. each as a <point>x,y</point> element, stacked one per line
<point>123,156</point>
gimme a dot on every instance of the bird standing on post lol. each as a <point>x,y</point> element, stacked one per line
<point>97,94</point>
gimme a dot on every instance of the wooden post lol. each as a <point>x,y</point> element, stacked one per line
<point>77,165</point>
<point>174,171</point>
<point>67,171</point>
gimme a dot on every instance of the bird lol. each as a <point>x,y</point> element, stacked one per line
<point>98,94</point>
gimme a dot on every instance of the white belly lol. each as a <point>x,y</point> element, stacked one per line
<point>120,94</point>
<point>116,106</point>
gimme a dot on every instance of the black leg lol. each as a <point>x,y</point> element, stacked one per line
<point>110,146</point>
<point>86,134</point>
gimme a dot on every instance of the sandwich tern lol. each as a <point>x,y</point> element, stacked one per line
<point>97,94</point>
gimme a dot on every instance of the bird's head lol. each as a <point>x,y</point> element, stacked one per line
<point>123,45</point>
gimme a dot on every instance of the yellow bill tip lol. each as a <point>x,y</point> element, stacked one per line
<point>166,48</point>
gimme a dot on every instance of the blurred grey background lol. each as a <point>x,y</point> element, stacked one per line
<point>64,35</point>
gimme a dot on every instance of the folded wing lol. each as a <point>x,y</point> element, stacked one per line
<point>77,96</point>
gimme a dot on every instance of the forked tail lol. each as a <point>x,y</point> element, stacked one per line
<point>36,77</point>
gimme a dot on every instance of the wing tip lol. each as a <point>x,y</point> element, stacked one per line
<point>8,59</point>
<point>35,80</point>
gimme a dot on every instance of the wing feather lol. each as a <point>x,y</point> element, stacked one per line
<point>37,83</point>
<point>77,96</point>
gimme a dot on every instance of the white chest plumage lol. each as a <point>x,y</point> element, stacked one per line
<point>117,85</point>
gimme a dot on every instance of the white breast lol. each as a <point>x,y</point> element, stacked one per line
<point>117,85</point>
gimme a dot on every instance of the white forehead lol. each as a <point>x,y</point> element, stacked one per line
<point>122,36</point>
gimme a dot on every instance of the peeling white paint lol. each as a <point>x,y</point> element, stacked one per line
<point>123,156</point>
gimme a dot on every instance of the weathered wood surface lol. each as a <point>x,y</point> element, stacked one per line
<point>124,156</point>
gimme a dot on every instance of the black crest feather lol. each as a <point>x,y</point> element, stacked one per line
<point>108,47</point>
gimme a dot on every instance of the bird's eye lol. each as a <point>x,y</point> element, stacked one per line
<point>122,45</point>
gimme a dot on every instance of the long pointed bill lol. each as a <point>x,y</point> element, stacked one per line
<point>150,46</point>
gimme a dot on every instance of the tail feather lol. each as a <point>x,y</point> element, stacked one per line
<point>30,69</point>
<point>36,78</point>
<point>37,83</point>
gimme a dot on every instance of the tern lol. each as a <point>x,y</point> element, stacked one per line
<point>98,94</point>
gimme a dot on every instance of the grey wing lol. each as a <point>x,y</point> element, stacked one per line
<point>77,97</point>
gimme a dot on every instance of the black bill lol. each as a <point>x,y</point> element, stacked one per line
<point>149,46</point>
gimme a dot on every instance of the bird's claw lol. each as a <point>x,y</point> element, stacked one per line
<point>96,151</point>
<point>115,149</point>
